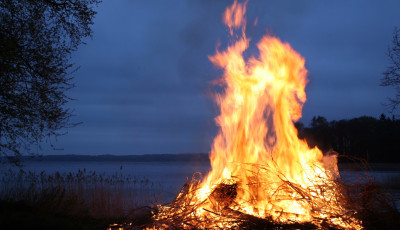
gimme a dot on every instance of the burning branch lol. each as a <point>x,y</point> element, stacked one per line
<point>263,175</point>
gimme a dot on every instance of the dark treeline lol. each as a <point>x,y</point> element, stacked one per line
<point>182,157</point>
<point>365,138</point>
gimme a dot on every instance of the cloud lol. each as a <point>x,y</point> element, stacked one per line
<point>144,78</point>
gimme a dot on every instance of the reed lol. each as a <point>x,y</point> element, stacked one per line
<point>83,193</point>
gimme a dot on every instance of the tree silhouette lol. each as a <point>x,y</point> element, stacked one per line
<point>391,77</point>
<point>37,38</point>
<point>318,134</point>
<point>367,138</point>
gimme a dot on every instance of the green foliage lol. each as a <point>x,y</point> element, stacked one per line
<point>37,38</point>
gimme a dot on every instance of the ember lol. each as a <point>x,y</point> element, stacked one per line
<point>262,174</point>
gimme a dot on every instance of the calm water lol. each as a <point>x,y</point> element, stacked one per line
<point>168,176</point>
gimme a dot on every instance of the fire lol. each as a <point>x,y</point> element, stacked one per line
<point>259,165</point>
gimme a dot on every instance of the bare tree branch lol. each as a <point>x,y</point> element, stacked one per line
<point>37,38</point>
<point>391,77</point>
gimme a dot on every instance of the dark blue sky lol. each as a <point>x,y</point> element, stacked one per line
<point>145,77</point>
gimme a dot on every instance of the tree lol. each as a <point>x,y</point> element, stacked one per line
<point>37,38</point>
<point>391,77</point>
<point>319,122</point>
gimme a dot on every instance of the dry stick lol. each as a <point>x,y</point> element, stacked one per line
<point>186,197</point>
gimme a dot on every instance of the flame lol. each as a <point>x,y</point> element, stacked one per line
<point>259,165</point>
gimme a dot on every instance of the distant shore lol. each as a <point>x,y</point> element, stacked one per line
<point>185,157</point>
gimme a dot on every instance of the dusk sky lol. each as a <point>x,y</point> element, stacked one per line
<point>144,82</point>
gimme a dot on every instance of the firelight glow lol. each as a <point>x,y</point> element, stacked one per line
<point>256,157</point>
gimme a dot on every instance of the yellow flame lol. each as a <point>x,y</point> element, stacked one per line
<point>271,171</point>
<point>257,145</point>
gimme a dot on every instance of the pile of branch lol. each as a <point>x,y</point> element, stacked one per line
<point>364,202</point>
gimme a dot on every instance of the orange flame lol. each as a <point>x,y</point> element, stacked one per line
<point>234,16</point>
<point>257,150</point>
<point>257,145</point>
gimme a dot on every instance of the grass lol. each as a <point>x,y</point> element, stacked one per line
<point>88,200</point>
<point>81,200</point>
<point>20,215</point>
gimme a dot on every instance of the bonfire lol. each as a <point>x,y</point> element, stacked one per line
<point>262,175</point>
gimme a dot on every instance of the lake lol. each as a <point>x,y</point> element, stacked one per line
<point>167,178</point>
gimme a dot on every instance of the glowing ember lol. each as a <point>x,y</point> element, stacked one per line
<point>259,166</point>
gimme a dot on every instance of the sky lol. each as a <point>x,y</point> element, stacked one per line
<point>144,81</point>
